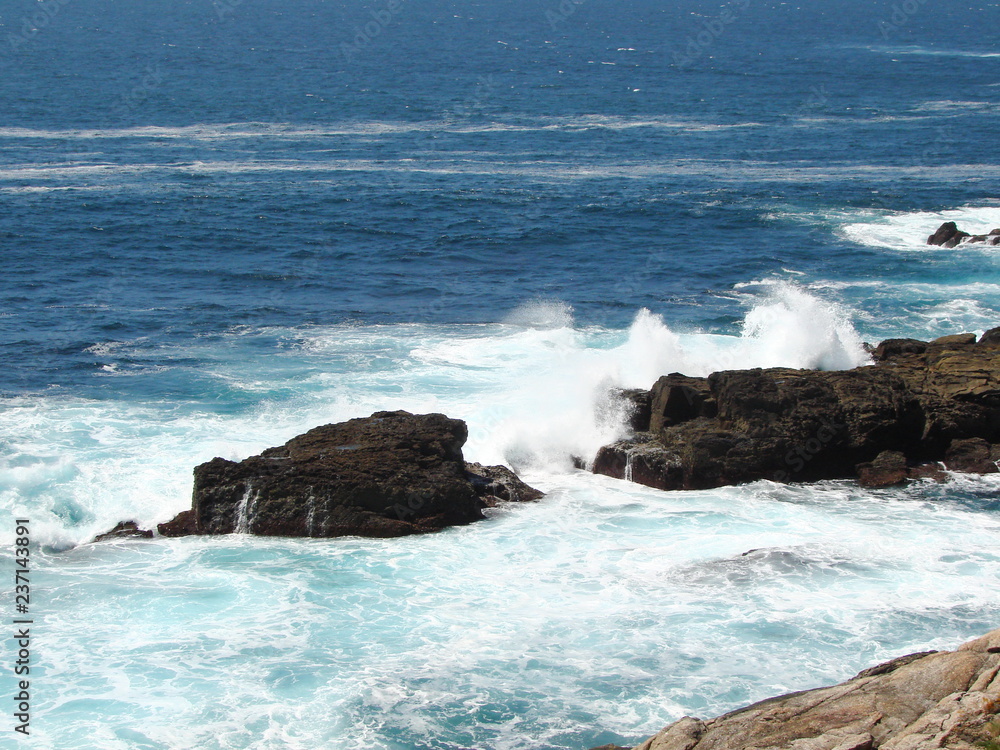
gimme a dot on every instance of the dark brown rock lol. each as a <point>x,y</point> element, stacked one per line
<point>124,530</point>
<point>894,347</point>
<point>643,460</point>
<point>800,425</point>
<point>933,471</point>
<point>947,235</point>
<point>183,524</point>
<point>496,484</point>
<point>637,402</point>
<point>676,399</point>
<point>390,474</point>
<point>888,469</point>
<point>991,338</point>
<point>954,341</point>
<point>973,455</point>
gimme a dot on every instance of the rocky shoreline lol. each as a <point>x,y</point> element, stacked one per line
<point>947,699</point>
<point>922,406</point>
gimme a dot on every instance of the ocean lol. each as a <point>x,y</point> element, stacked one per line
<point>224,222</point>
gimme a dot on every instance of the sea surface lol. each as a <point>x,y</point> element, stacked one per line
<point>224,223</point>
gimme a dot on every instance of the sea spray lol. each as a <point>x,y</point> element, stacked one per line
<point>536,395</point>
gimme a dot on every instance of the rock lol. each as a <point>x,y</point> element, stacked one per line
<point>955,341</point>
<point>947,235</point>
<point>974,456</point>
<point>390,474</point>
<point>637,403</point>
<point>183,524</point>
<point>800,425</point>
<point>676,399</point>
<point>933,471</point>
<point>496,484</point>
<point>993,238</point>
<point>894,347</point>
<point>917,702</point>
<point>892,665</point>
<point>991,338</point>
<point>124,530</point>
<point>640,459</point>
<point>888,469</point>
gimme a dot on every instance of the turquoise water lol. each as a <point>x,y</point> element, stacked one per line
<point>226,223</point>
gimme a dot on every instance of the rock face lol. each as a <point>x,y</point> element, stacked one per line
<point>949,235</point>
<point>124,530</point>
<point>390,474</point>
<point>919,403</point>
<point>917,702</point>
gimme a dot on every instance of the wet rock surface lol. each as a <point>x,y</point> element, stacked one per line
<point>918,404</point>
<point>387,475</point>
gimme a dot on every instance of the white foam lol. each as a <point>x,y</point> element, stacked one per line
<point>897,49</point>
<point>554,401</point>
<point>607,607</point>
<point>541,315</point>
<point>960,314</point>
<point>492,164</point>
<point>534,393</point>
<point>909,231</point>
<point>370,129</point>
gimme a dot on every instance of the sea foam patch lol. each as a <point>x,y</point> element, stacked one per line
<point>909,231</point>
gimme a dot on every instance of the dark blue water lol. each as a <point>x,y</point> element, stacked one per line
<point>176,169</point>
<point>224,222</point>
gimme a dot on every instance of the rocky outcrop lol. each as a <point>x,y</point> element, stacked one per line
<point>498,484</point>
<point>917,702</point>
<point>949,235</point>
<point>124,530</point>
<point>917,405</point>
<point>387,475</point>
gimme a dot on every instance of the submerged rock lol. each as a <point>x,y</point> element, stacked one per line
<point>883,423</point>
<point>917,702</point>
<point>124,530</point>
<point>888,469</point>
<point>496,484</point>
<point>387,475</point>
